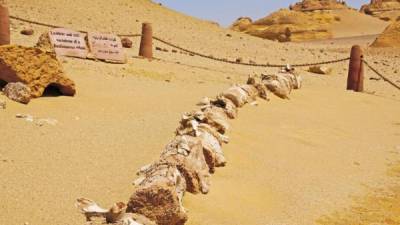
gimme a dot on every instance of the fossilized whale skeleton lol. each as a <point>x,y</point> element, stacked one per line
<point>188,160</point>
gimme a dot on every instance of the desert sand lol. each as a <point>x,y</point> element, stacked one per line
<point>291,161</point>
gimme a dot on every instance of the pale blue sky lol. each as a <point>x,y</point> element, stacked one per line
<point>227,11</point>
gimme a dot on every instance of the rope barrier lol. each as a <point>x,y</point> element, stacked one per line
<point>222,59</point>
<point>248,64</point>
<point>381,75</point>
<point>193,52</point>
<point>55,26</point>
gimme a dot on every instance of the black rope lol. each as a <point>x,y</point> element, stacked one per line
<point>381,75</point>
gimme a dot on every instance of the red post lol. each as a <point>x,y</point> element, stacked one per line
<point>356,70</point>
<point>146,42</point>
<point>360,83</point>
<point>4,26</point>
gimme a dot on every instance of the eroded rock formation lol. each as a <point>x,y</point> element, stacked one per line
<point>289,25</point>
<point>34,68</point>
<point>312,5</point>
<point>390,37</point>
<point>387,10</point>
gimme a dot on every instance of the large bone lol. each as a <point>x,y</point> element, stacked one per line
<point>158,195</point>
<point>116,214</point>
<point>227,105</point>
<point>256,82</point>
<point>295,78</point>
<point>211,141</point>
<point>278,84</point>
<point>251,91</point>
<point>237,95</point>
<point>217,118</point>
<point>211,115</point>
<point>186,152</point>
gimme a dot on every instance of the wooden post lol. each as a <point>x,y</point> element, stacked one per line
<point>355,78</point>
<point>146,42</point>
<point>4,26</point>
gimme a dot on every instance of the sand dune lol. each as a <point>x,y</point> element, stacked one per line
<point>289,162</point>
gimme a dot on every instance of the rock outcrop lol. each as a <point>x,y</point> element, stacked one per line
<point>289,25</point>
<point>390,37</point>
<point>387,10</point>
<point>242,24</point>
<point>312,5</point>
<point>34,68</point>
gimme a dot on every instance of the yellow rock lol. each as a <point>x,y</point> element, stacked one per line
<point>286,25</point>
<point>390,37</point>
<point>35,68</point>
<point>388,10</point>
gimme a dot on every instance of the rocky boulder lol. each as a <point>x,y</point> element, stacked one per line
<point>34,68</point>
<point>312,5</point>
<point>241,24</point>
<point>18,92</point>
<point>387,10</point>
<point>390,37</point>
<point>44,43</point>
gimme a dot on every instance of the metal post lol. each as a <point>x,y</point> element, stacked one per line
<point>146,42</point>
<point>356,77</point>
<point>4,26</point>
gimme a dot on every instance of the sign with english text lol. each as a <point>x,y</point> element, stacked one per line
<point>68,43</point>
<point>106,47</point>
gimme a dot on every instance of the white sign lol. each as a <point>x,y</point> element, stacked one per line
<point>106,47</point>
<point>68,43</point>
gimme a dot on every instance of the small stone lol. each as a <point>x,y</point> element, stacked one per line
<point>158,49</point>
<point>49,121</point>
<point>255,103</point>
<point>18,92</point>
<point>375,78</point>
<point>239,60</point>
<point>126,43</point>
<point>27,117</point>
<point>320,70</point>
<point>165,50</point>
<point>229,35</point>
<point>28,31</point>
<point>174,51</point>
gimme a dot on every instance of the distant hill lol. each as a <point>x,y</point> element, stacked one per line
<point>387,10</point>
<point>390,37</point>
<point>311,20</point>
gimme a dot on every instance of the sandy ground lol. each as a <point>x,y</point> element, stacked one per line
<point>289,162</point>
